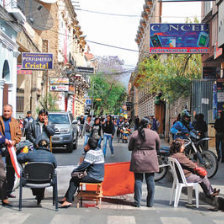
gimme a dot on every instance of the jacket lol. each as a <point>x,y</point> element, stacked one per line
<point>108,128</point>
<point>87,127</point>
<point>96,131</point>
<point>27,122</point>
<point>39,155</point>
<point>187,165</point>
<point>34,132</point>
<point>2,139</point>
<point>179,127</point>
<point>93,163</point>
<point>144,154</point>
<point>15,130</point>
<point>219,125</point>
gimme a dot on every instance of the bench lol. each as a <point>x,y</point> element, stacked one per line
<point>90,191</point>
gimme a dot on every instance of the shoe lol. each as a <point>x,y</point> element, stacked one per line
<point>66,206</point>
<point>11,196</point>
<point>215,193</point>
<point>112,155</point>
<point>6,204</point>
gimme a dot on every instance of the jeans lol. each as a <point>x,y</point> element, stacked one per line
<point>86,139</point>
<point>110,139</point>
<point>3,185</point>
<point>149,178</point>
<point>74,183</point>
<point>99,142</point>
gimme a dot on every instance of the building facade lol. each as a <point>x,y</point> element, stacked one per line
<point>11,22</point>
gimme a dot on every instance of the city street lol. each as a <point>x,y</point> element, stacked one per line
<point>114,209</point>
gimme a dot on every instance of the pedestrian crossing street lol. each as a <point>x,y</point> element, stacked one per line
<point>93,215</point>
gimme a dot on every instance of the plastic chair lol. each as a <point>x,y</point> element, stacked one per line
<point>179,183</point>
<point>39,175</point>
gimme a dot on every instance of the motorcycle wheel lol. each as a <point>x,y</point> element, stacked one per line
<point>162,170</point>
<point>211,162</point>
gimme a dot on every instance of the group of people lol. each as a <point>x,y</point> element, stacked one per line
<point>143,144</point>
<point>183,125</point>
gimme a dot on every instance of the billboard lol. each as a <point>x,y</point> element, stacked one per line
<point>59,88</point>
<point>182,38</point>
<point>37,61</point>
<point>59,81</point>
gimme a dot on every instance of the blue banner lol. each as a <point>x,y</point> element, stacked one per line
<point>179,38</point>
<point>37,61</point>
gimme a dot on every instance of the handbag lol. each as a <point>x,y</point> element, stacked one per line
<point>79,174</point>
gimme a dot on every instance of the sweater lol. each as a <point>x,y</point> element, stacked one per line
<point>93,163</point>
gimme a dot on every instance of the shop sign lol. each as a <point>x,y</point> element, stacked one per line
<point>221,24</point>
<point>37,61</point>
<point>23,72</point>
<point>59,88</point>
<point>217,51</point>
<point>85,70</point>
<point>59,81</point>
<point>179,38</point>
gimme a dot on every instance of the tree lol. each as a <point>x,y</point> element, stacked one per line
<point>107,94</point>
<point>170,76</point>
<point>48,102</point>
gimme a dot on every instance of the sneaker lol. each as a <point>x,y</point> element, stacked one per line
<point>112,155</point>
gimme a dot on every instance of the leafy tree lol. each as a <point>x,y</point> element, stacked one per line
<point>107,94</point>
<point>170,76</point>
<point>48,102</point>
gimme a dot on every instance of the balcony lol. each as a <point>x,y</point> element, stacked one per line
<point>13,8</point>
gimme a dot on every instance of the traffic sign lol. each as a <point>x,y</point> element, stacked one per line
<point>88,102</point>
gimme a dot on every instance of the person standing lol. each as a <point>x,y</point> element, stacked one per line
<point>144,143</point>
<point>136,122</point>
<point>81,122</point>
<point>27,122</point>
<point>9,127</point>
<point>154,123</point>
<point>3,186</point>
<point>219,137</point>
<point>96,131</point>
<point>40,129</point>
<point>108,135</point>
<point>87,129</point>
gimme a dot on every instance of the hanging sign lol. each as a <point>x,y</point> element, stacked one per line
<point>179,38</point>
<point>37,61</point>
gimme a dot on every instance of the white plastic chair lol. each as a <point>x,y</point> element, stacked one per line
<point>179,184</point>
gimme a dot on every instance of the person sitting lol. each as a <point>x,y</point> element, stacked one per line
<point>93,164</point>
<point>183,126</point>
<point>41,154</point>
<point>192,172</point>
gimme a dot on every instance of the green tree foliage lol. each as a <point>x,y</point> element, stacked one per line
<point>171,75</point>
<point>48,102</point>
<point>107,94</point>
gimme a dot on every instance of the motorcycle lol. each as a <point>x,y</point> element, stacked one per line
<point>125,132</point>
<point>194,151</point>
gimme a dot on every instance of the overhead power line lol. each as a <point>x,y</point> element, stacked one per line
<point>113,46</point>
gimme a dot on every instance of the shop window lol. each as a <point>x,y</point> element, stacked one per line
<point>19,103</point>
<point>6,71</point>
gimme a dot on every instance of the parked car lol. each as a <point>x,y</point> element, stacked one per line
<point>66,130</point>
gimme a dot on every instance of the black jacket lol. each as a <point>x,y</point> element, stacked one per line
<point>108,128</point>
<point>40,155</point>
<point>219,125</point>
<point>34,132</point>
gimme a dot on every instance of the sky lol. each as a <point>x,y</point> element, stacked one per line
<point>121,31</point>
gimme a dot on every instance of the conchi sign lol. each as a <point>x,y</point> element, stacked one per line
<point>178,38</point>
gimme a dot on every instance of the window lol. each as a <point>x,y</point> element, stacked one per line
<point>19,103</point>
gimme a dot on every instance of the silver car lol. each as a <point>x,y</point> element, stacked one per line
<point>66,130</point>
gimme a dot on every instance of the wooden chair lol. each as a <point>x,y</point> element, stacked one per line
<point>90,191</point>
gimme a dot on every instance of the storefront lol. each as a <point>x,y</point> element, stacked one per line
<point>8,61</point>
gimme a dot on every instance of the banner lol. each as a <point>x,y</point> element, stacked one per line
<point>37,61</point>
<point>118,179</point>
<point>179,38</point>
